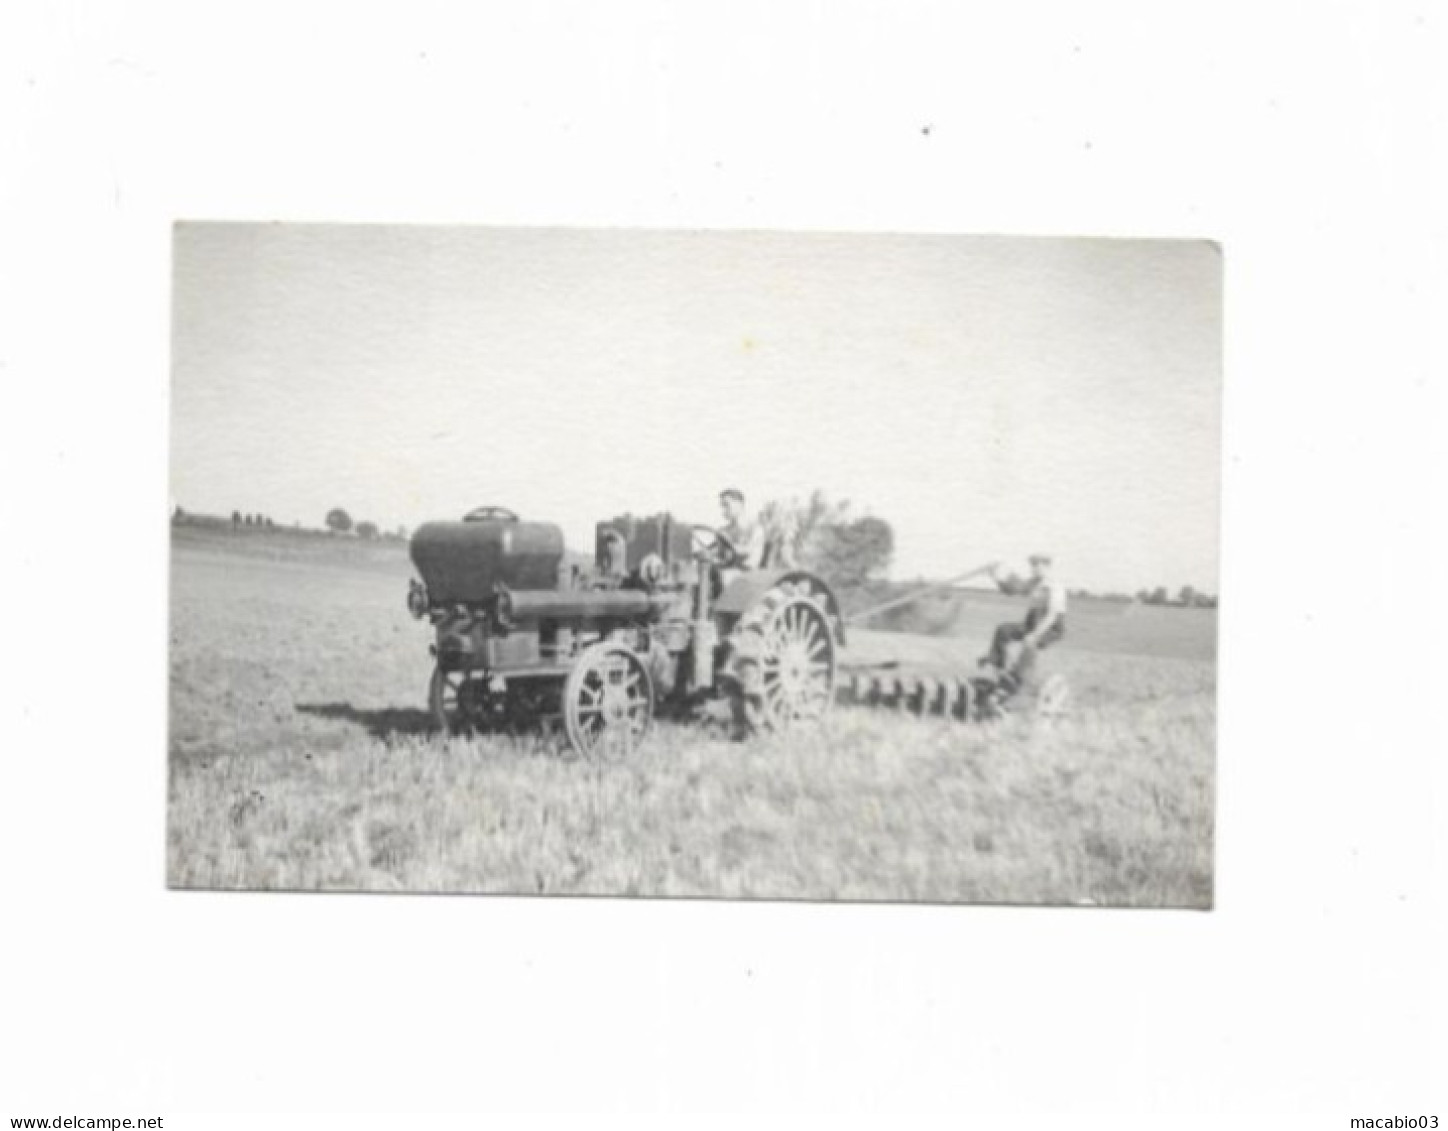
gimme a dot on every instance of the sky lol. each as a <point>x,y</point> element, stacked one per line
<point>989,396</point>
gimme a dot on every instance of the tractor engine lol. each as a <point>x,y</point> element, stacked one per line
<point>644,551</point>
<point>656,554</point>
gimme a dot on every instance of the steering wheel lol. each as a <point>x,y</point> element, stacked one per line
<point>484,514</point>
<point>715,546</point>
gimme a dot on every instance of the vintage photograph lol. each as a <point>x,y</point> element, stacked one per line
<point>712,564</point>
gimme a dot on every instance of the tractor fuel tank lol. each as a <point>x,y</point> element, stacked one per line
<point>460,562</point>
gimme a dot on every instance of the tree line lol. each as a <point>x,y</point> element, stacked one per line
<point>849,549</point>
<point>853,551</point>
<point>1186,598</point>
<point>338,521</point>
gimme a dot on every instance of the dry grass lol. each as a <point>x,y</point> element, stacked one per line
<point>301,758</point>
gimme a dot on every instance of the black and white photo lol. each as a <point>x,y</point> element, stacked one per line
<point>767,565</point>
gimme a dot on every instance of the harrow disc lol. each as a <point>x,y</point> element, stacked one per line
<point>976,698</point>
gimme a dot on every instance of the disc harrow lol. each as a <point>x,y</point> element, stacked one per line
<point>965,699</point>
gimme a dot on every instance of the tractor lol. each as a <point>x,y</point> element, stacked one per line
<point>663,621</point>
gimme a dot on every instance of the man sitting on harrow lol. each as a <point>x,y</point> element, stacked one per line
<point>1045,623</point>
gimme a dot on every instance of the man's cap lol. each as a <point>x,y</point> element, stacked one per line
<point>1040,559</point>
<point>732,493</point>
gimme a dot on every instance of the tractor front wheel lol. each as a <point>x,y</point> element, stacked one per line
<point>608,702</point>
<point>459,701</point>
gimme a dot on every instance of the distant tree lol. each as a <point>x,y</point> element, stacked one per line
<point>338,520</point>
<point>269,522</point>
<point>366,529</point>
<point>794,529</point>
<point>856,552</point>
<point>402,533</point>
<point>1159,596</point>
<point>235,518</point>
<point>824,535</point>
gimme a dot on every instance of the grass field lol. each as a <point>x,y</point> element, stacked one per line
<point>302,757</point>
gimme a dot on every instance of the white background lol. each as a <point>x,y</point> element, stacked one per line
<point>1310,140</point>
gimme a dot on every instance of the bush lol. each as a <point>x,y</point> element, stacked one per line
<point>827,538</point>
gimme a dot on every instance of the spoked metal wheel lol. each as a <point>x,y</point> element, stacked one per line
<point>785,661</point>
<point>459,701</point>
<point>608,702</point>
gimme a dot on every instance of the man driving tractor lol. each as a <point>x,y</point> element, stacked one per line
<point>745,535</point>
<point>1045,622</point>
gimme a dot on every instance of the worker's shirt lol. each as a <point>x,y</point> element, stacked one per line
<point>748,539</point>
<point>1048,602</point>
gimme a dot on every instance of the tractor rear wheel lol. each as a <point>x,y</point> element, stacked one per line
<point>784,659</point>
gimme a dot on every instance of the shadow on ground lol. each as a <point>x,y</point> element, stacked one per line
<point>388,722</point>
